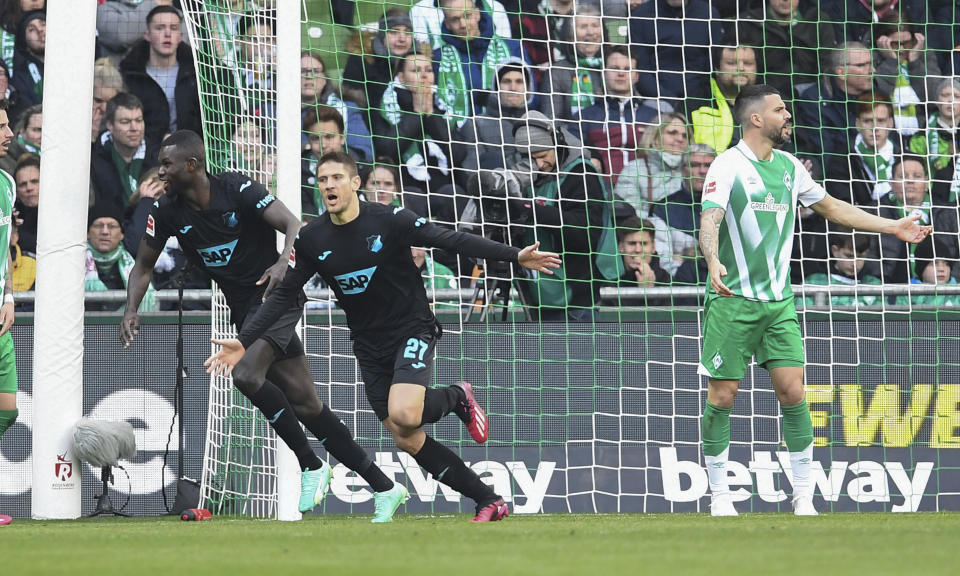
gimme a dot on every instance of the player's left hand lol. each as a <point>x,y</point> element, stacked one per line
<point>6,317</point>
<point>531,258</point>
<point>908,230</point>
<point>273,276</point>
<point>224,359</point>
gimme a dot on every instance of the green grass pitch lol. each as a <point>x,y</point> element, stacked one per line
<point>590,545</point>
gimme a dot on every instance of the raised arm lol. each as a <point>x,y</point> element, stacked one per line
<point>840,212</point>
<point>137,285</point>
<point>710,221</point>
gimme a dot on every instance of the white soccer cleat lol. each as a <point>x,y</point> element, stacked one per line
<point>803,506</point>
<point>722,505</point>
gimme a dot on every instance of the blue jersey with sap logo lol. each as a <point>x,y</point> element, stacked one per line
<point>368,264</point>
<point>229,240</point>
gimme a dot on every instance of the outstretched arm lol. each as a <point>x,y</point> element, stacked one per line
<point>838,211</point>
<point>137,285</point>
<point>428,234</point>
<point>710,221</point>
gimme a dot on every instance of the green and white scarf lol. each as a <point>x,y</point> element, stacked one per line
<point>31,148</point>
<point>879,165</point>
<point>7,43</point>
<point>453,83</point>
<point>129,173</point>
<point>905,100</point>
<point>937,150</point>
<point>925,217</point>
<point>36,79</point>
<point>412,158</point>
<point>582,90</point>
<point>97,260</point>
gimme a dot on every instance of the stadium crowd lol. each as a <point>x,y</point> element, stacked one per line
<point>590,122</point>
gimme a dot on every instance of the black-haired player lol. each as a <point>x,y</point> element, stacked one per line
<point>362,250</point>
<point>227,224</point>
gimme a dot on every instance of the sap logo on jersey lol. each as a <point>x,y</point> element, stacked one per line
<point>216,256</point>
<point>355,282</point>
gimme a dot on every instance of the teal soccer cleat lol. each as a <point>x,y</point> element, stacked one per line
<point>314,485</point>
<point>386,503</point>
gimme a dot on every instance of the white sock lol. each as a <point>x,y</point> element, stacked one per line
<point>800,467</point>
<point>717,472</point>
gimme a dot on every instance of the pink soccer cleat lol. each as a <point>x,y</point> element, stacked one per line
<point>472,414</point>
<point>492,512</point>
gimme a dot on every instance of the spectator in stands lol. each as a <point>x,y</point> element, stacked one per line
<point>576,76</point>
<point>107,83</point>
<point>943,33</point>
<point>865,178</point>
<point>120,23</point>
<point>257,68</point>
<point>854,18</point>
<point>28,57</point>
<point>826,112</point>
<point>149,189</point>
<point>637,246</point>
<point>29,135</point>
<point>932,268</point>
<point>366,75</point>
<point>939,140</point>
<point>27,178</point>
<point>906,70</point>
<point>108,262</point>
<point>324,128</point>
<point>787,38</point>
<point>412,131</point>
<point>540,23</point>
<point>436,276</point>
<point>427,17</point>
<point>22,264</point>
<point>122,153</point>
<point>613,126</point>
<point>672,39</point>
<point>572,212</point>
<point>465,64</point>
<point>509,100</point>
<point>159,70</point>
<point>677,217</point>
<point>656,173</point>
<point>849,252</point>
<point>316,89</point>
<point>382,184</point>
<point>250,154</point>
<point>713,124</point>
<point>11,11</point>
<point>909,195</point>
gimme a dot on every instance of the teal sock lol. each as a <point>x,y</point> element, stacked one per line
<point>797,426</point>
<point>715,428</point>
<point>7,418</point>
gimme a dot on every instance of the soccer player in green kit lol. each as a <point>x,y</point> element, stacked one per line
<point>8,364</point>
<point>746,236</point>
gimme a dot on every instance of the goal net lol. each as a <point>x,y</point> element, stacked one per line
<point>591,383</point>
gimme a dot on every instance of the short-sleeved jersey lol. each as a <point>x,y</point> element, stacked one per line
<point>230,240</point>
<point>756,237</point>
<point>368,264</point>
<point>8,195</point>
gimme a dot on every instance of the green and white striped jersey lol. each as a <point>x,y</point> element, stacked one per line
<point>756,235</point>
<point>8,195</point>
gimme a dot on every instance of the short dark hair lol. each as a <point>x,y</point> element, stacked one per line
<point>187,142</point>
<point>899,160</point>
<point>339,158</point>
<point>250,21</point>
<point>749,96</point>
<point>35,110</point>
<point>320,114</point>
<point>4,104</point>
<point>387,164</point>
<point>843,237</point>
<point>611,49</point>
<point>121,100</point>
<point>26,161</point>
<point>634,224</point>
<point>163,9</point>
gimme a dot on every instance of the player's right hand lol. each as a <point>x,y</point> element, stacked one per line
<point>129,328</point>
<point>718,271</point>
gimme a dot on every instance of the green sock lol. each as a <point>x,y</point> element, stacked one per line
<point>715,428</point>
<point>7,418</point>
<point>797,426</point>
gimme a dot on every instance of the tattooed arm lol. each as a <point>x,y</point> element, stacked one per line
<point>709,241</point>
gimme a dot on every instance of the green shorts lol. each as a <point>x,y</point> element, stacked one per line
<point>8,365</point>
<point>735,329</point>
